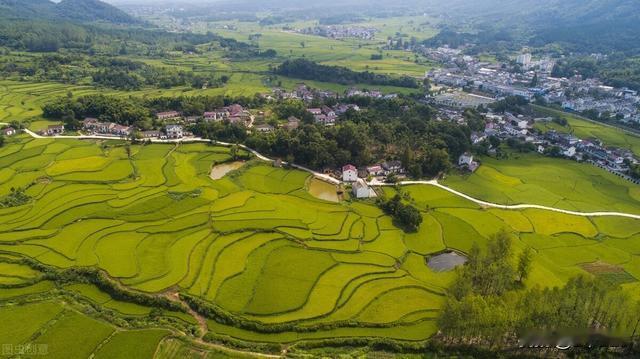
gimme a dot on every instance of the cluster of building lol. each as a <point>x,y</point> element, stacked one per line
<point>53,130</point>
<point>506,126</point>
<point>93,125</point>
<point>496,80</point>
<point>341,32</point>
<point>301,92</point>
<point>357,177</point>
<point>307,94</point>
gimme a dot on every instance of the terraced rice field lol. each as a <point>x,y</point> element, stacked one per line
<point>257,244</point>
<point>535,179</point>
<point>54,330</point>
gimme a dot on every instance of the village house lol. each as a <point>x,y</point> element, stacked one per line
<point>53,130</point>
<point>169,115</point>
<point>394,167</point>
<point>95,126</point>
<point>292,123</point>
<point>466,161</point>
<point>375,170</point>
<point>361,189</point>
<point>8,131</point>
<point>263,128</point>
<point>244,118</point>
<point>174,131</point>
<point>150,134</point>
<point>210,116</point>
<point>349,173</point>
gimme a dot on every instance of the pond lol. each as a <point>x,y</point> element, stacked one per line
<point>219,171</point>
<point>446,261</point>
<point>323,190</point>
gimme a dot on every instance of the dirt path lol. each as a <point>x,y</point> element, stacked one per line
<point>174,296</point>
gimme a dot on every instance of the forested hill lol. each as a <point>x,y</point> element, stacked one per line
<point>579,25</point>
<point>70,10</point>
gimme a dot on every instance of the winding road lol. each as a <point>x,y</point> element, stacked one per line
<point>374,183</point>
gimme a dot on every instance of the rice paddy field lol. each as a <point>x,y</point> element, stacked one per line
<point>560,183</point>
<point>351,53</point>
<point>257,244</point>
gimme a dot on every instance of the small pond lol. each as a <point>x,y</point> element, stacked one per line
<point>446,261</point>
<point>222,169</point>
<point>323,190</point>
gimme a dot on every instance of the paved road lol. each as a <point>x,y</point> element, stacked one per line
<point>516,206</point>
<point>332,180</point>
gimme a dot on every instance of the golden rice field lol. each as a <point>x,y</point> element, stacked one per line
<point>255,244</point>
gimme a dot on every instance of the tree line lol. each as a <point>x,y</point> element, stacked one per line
<point>309,70</point>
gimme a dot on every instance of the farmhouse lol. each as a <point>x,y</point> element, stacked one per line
<point>53,130</point>
<point>94,125</point>
<point>210,116</point>
<point>9,131</point>
<point>466,161</point>
<point>174,131</point>
<point>150,134</point>
<point>375,170</point>
<point>390,167</point>
<point>360,189</point>
<point>264,128</point>
<point>292,123</point>
<point>349,173</point>
<point>169,115</point>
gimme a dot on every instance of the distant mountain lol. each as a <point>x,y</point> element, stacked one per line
<point>71,10</point>
<point>579,25</point>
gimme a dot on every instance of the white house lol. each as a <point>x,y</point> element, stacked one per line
<point>570,152</point>
<point>349,173</point>
<point>9,131</point>
<point>465,159</point>
<point>360,189</point>
<point>174,131</point>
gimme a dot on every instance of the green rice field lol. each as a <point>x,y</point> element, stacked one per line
<point>256,244</point>
<point>535,179</point>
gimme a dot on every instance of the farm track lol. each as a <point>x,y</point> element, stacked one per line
<point>332,180</point>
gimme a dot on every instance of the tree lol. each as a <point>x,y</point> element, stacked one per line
<point>534,80</point>
<point>524,264</point>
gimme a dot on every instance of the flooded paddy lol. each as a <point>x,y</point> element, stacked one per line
<point>446,261</point>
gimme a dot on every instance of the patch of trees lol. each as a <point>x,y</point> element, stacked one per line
<point>618,70</point>
<point>109,109</point>
<point>487,304</point>
<point>513,104</point>
<point>520,145</point>
<point>309,70</point>
<point>16,196</point>
<point>404,215</point>
<point>106,71</point>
